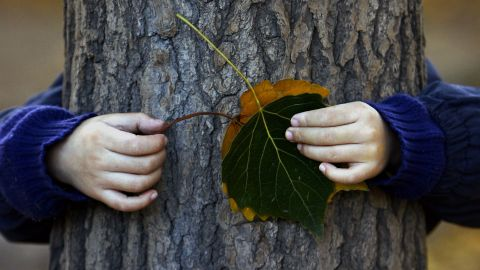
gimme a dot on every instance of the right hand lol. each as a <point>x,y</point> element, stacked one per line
<point>110,155</point>
<point>353,134</point>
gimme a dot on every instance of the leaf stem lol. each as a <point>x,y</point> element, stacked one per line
<point>235,68</point>
<point>188,116</point>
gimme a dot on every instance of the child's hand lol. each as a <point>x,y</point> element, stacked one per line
<point>352,134</point>
<point>104,158</point>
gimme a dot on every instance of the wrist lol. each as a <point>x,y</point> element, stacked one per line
<point>53,162</point>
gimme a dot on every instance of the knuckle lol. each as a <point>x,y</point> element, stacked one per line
<point>135,185</point>
<point>117,205</point>
<point>134,144</point>
<point>143,183</point>
<point>92,135</point>
<point>148,165</point>
<point>96,180</point>
<point>158,142</point>
<point>375,151</point>
<point>143,168</point>
<point>370,133</point>
<point>152,164</point>
<point>333,154</point>
<point>97,161</point>
<point>150,181</point>
<point>303,118</point>
<point>314,116</point>
<point>361,105</point>
<point>371,114</point>
<point>373,118</point>
<point>124,206</point>
<point>305,150</point>
<point>328,136</point>
<point>297,134</point>
<point>301,149</point>
<point>310,152</point>
<point>95,194</point>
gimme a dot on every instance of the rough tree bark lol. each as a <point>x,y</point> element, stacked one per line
<point>126,56</point>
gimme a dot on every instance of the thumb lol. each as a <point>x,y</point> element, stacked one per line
<point>137,123</point>
<point>354,174</point>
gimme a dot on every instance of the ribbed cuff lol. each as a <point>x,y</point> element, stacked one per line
<point>422,148</point>
<point>29,189</point>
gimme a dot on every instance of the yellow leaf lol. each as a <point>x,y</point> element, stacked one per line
<point>248,213</point>
<point>266,93</point>
<point>233,205</point>
<point>253,101</point>
<point>263,217</point>
<point>344,187</point>
<point>224,188</point>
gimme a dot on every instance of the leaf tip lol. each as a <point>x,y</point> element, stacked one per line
<point>263,217</point>
<point>248,213</point>
<point>224,188</point>
<point>233,205</point>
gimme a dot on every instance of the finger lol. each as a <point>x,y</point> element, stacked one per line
<point>130,144</point>
<point>140,165</point>
<point>124,203</point>
<point>137,123</point>
<point>131,182</point>
<point>338,115</point>
<point>355,174</point>
<point>346,134</point>
<point>334,154</point>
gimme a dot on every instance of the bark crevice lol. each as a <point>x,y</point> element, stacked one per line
<point>134,56</point>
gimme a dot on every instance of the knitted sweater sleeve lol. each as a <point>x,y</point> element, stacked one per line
<point>29,197</point>
<point>422,147</point>
<point>456,195</point>
<point>439,133</point>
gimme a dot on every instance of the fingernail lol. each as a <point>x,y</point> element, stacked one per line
<point>299,147</point>
<point>322,168</point>
<point>294,121</point>
<point>153,196</point>
<point>289,135</point>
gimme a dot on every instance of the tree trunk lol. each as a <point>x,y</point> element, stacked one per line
<point>124,56</point>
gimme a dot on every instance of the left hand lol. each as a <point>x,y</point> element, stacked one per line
<point>111,155</point>
<point>353,134</point>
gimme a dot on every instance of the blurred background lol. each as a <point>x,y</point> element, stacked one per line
<point>31,56</point>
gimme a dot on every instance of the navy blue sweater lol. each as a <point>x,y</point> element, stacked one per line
<point>29,198</point>
<point>439,133</point>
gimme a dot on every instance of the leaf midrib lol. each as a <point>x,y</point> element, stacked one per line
<point>283,165</point>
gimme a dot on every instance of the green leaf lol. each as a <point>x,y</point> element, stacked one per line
<point>265,172</point>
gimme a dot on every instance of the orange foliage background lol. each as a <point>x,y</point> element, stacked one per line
<point>31,55</point>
